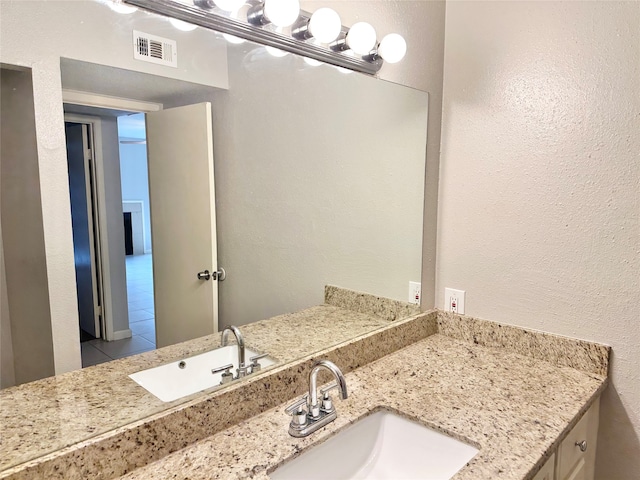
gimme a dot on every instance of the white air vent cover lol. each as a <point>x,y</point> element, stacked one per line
<point>154,49</point>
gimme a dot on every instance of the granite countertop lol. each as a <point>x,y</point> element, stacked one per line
<point>515,408</point>
<point>47,415</point>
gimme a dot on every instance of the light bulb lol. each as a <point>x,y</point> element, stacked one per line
<point>276,52</point>
<point>282,13</point>
<point>229,5</point>
<point>311,61</point>
<point>325,25</point>
<point>392,48</point>
<point>232,39</point>
<point>180,25</point>
<point>121,8</point>
<point>361,38</point>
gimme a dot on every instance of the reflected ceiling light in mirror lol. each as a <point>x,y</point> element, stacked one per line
<point>312,62</point>
<point>184,26</point>
<point>241,9</point>
<point>392,48</point>
<point>275,52</point>
<point>232,39</point>
<point>121,8</point>
<point>361,38</point>
<point>346,71</point>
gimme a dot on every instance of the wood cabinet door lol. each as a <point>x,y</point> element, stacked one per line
<point>547,472</point>
<point>577,452</point>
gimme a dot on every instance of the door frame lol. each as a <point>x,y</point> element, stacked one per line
<point>97,227</point>
<point>73,97</point>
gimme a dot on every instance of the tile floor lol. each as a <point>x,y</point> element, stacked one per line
<point>141,317</point>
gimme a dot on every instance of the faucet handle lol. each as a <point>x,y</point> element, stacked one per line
<point>255,365</point>
<point>297,412</point>
<point>227,376</point>
<point>325,390</point>
<point>327,404</point>
<point>296,406</point>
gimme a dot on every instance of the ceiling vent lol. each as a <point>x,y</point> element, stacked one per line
<point>154,49</point>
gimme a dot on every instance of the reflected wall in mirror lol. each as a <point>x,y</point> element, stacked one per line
<point>319,175</point>
<point>319,180</point>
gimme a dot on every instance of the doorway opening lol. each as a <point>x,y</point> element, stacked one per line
<point>134,175</point>
<point>108,178</point>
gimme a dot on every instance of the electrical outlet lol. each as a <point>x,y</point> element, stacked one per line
<point>454,300</point>
<point>415,292</point>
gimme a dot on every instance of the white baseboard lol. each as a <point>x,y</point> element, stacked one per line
<point>147,252</point>
<point>122,334</point>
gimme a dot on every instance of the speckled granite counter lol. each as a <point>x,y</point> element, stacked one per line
<point>53,413</point>
<point>470,376</point>
<point>514,408</point>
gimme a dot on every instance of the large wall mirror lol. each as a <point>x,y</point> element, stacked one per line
<point>318,175</point>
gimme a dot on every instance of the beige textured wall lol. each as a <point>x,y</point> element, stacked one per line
<point>23,245</point>
<point>539,183</point>
<point>422,24</point>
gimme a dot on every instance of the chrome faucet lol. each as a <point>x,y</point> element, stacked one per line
<point>242,369</point>
<point>304,423</point>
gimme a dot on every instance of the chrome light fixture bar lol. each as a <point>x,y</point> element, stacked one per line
<point>213,20</point>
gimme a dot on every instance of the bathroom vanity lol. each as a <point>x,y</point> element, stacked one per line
<point>517,396</point>
<point>515,409</point>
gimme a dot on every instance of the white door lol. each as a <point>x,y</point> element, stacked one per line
<point>183,222</point>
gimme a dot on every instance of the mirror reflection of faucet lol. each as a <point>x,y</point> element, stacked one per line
<point>304,423</point>
<point>242,370</point>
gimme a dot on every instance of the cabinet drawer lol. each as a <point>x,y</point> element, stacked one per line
<point>573,462</point>
<point>570,454</point>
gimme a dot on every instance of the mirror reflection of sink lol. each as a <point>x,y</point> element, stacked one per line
<point>381,446</point>
<point>171,381</point>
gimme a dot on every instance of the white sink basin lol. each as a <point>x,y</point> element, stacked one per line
<point>170,382</point>
<point>381,446</point>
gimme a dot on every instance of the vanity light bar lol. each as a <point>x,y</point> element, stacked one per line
<point>219,22</point>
